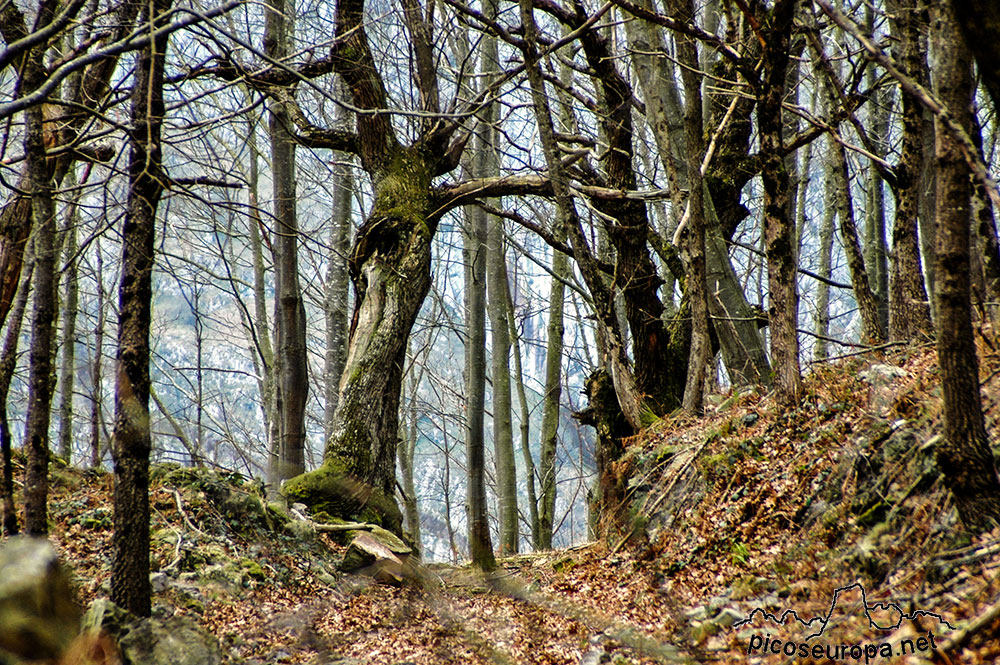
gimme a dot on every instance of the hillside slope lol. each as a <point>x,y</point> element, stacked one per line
<point>745,531</point>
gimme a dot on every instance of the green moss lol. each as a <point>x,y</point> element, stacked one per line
<point>331,490</point>
<point>252,569</point>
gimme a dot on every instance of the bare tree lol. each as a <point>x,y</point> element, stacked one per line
<point>131,443</point>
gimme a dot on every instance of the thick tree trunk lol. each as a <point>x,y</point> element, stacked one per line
<point>909,311</point>
<point>964,455</point>
<point>735,326</point>
<point>131,442</point>
<point>779,232</point>
<point>36,433</point>
<point>337,285</point>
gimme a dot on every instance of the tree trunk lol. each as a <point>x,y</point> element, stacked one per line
<point>496,285</point>
<point>984,223</point>
<point>480,544</point>
<point>8,363</point>
<point>871,330</point>
<point>337,281</point>
<point>16,214</point>
<point>909,310</point>
<point>67,371</point>
<point>261,329</point>
<point>964,455</point>
<point>131,442</point>
<point>732,318</point>
<point>503,434</point>
<point>779,232</point>
<point>552,395</point>
<point>292,377</point>
<point>97,364</point>
<point>695,285</point>
<point>36,433</point>
<point>525,422</point>
<point>407,453</point>
<point>821,318</point>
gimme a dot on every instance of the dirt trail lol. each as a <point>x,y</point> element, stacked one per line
<point>563,607</point>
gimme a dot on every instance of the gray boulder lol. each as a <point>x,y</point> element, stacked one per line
<point>39,616</point>
<point>158,640</point>
<point>378,553</point>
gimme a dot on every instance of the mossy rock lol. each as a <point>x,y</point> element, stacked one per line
<point>339,495</point>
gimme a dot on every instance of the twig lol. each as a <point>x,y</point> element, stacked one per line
<point>351,526</point>
<point>180,509</point>
<point>963,636</point>
<point>880,347</point>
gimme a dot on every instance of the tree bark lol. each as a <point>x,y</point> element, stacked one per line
<point>964,455</point>
<point>695,285</point>
<point>552,395</point>
<point>97,364</point>
<point>67,371</point>
<point>292,376</point>
<point>821,318</point>
<point>480,543</point>
<point>909,310</point>
<point>488,165</point>
<point>131,441</point>
<point>8,363</point>
<point>779,232</point>
<point>36,432</point>
<point>525,422</point>
<point>337,284</point>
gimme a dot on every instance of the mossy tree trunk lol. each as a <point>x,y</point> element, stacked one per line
<point>779,232</point>
<point>41,358</point>
<point>132,443</point>
<point>389,267</point>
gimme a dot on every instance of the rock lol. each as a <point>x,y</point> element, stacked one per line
<point>373,554</point>
<point>158,582</point>
<point>727,617</point>
<point>177,640</point>
<point>699,613</point>
<point>301,530</point>
<point>750,419</point>
<point>158,640</point>
<point>105,615</point>
<point>39,616</point>
<point>881,374</point>
<point>594,657</point>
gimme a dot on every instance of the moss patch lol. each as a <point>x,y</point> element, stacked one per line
<point>330,490</point>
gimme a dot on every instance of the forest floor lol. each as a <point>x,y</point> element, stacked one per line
<point>749,508</point>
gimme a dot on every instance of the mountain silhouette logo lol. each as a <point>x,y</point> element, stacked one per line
<point>847,601</point>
